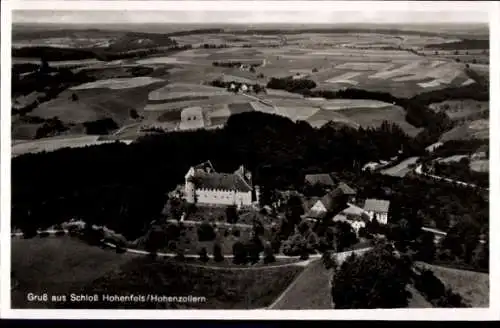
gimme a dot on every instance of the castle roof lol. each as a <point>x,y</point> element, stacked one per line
<point>221,181</point>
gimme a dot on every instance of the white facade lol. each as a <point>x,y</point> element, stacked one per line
<point>223,197</point>
<point>381,217</point>
<point>318,207</point>
<point>215,196</point>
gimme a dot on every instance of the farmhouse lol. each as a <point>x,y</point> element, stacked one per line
<point>377,209</point>
<point>203,185</point>
<point>319,179</point>
<point>354,215</point>
<point>331,202</point>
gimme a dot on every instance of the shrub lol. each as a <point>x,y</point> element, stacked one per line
<point>203,255</point>
<point>218,256</point>
<point>240,255</point>
<point>236,232</point>
<point>269,254</point>
<point>44,234</point>
<point>206,232</point>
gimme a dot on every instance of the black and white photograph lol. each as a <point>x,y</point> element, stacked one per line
<point>322,157</point>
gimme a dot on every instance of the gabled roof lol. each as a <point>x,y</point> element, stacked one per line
<point>221,181</point>
<point>321,178</point>
<point>345,189</point>
<point>353,210</point>
<point>377,205</point>
<point>328,200</point>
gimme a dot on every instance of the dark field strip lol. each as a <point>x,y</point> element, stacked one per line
<point>178,99</point>
<point>240,108</point>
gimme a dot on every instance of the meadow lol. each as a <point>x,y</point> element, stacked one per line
<point>472,286</point>
<point>223,288</point>
<point>61,266</point>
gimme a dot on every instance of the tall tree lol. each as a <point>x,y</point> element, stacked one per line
<point>376,279</point>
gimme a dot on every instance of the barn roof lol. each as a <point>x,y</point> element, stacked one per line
<point>377,205</point>
<point>321,178</point>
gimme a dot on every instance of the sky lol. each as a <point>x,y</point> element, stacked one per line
<point>348,12</point>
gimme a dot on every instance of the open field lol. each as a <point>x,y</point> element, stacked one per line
<point>51,144</point>
<point>384,62</point>
<point>222,288</point>
<point>461,109</point>
<point>477,129</point>
<point>60,265</point>
<point>311,290</point>
<point>472,286</point>
<point>481,165</point>
<point>120,83</point>
<point>93,104</point>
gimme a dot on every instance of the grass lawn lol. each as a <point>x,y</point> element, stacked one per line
<point>222,288</point>
<point>56,266</point>
<point>310,291</point>
<point>472,286</point>
<point>417,300</point>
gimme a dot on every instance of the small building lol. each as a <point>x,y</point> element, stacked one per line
<point>348,193</point>
<point>323,179</point>
<point>354,215</point>
<point>377,209</point>
<point>323,206</point>
<point>434,146</point>
<point>370,166</point>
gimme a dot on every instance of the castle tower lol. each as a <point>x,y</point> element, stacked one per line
<point>257,194</point>
<point>189,187</point>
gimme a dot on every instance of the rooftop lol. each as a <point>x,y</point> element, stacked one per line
<point>221,181</point>
<point>321,178</point>
<point>205,177</point>
<point>377,205</point>
<point>345,189</point>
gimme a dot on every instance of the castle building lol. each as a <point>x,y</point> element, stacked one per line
<point>203,185</point>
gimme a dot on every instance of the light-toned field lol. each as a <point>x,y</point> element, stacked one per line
<point>454,158</point>
<point>472,286</point>
<point>120,83</point>
<point>56,266</point>
<point>401,169</point>
<point>480,165</point>
<point>52,144</point>
<point>94,104</point>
